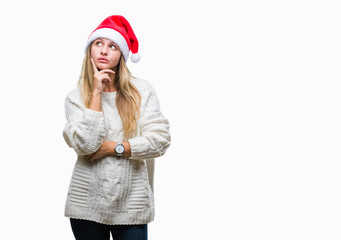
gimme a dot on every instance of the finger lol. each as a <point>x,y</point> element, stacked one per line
<point>107,71</point>
<point>105,77</point>
<point>94,66</point>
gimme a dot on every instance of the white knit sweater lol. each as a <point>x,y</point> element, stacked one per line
<point>114,190</point>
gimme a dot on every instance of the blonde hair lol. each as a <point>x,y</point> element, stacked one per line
<point>128,98</point>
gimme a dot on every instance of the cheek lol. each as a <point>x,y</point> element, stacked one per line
<point>93,52</point>
<point>118,55</point>
<point>116,58</point>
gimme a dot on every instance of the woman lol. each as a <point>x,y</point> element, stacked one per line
<point>115,126</point>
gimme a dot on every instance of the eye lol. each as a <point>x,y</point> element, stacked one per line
<point>113,46</point>
<point>98,43</point>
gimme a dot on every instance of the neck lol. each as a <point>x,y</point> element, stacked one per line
<point>109,88</point>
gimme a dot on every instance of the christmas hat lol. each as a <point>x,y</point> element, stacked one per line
<point>117,29</point>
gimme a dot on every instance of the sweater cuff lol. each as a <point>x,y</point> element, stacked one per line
<point>136,147</point>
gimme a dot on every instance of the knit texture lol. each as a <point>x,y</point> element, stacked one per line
<point>114,190</point>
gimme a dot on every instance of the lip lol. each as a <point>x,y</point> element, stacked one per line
<point>103,60</point>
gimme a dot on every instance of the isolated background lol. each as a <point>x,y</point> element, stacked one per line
<point>252,92</point>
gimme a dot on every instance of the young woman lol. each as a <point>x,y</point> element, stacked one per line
<point>115,126</point>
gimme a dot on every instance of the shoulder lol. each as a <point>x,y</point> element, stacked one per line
<point>74,93</point>
<point>142,85</point>
<point>150,101</point>
<point>74,97</point>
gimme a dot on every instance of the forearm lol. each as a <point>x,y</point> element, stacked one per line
<point>85,129</point>
<point>95,102</point>
<point>153,142</point>
<point>127,149</point>
<point>107,149</point>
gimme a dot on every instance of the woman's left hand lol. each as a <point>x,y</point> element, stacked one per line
<point>107,148</point>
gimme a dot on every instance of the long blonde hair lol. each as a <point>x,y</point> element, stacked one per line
<point>128,98</point>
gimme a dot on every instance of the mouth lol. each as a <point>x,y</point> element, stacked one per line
<point>103,60</point>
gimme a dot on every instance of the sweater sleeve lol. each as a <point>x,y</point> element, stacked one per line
<point>154,136</point>
<point>85,128</point>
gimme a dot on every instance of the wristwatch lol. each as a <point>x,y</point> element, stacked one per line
<point>119,149</point>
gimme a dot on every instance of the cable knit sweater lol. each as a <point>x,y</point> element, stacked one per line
<point>114,190</point>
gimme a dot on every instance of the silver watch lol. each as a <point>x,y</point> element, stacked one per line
<point>119,149</point>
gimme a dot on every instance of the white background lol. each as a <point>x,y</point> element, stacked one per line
<point>252,92</point>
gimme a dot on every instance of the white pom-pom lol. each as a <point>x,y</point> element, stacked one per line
<point>135,57</point>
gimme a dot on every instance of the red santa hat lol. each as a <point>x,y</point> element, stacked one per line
<point>117,29</point>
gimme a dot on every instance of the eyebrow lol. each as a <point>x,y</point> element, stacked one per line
<point>111,42</point>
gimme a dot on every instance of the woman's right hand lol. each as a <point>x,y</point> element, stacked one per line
<point>101,78</point>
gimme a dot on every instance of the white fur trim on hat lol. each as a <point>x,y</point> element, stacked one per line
<point>114,36</point>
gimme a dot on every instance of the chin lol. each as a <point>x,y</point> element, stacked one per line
<point>105,66</point>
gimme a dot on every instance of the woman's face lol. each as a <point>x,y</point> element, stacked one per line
<point>105,53</point>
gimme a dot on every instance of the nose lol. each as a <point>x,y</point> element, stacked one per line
<point>104,50</point>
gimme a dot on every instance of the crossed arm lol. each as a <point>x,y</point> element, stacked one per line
<point>108,148</point>
<point>85,130</point>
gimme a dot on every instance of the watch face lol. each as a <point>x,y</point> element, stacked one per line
<point>119,148</point>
